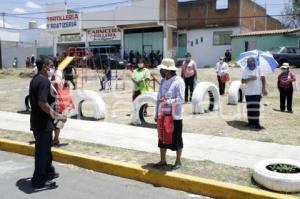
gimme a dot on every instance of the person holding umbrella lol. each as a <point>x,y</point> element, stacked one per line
<point>254,87</point>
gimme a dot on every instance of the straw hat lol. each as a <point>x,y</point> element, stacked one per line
<point>167,64</point>
<point>285,65</point>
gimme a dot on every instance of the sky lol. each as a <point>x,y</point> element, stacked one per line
<point>15,7</point>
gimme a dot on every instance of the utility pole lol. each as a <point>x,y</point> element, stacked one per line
<point>266,17</point>
<point>165,29</point>
<point>3,19</point>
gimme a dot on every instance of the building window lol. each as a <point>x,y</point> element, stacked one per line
<point>221,4</point>
<point>197,41</point>
<point>201,39</point>
<point>192,43</point>
<point>222,38</point>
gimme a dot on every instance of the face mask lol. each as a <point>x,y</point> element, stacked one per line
<point>140,65</point>
<point>251,65</point>
<point>50,72</point>
<point>284,70</point>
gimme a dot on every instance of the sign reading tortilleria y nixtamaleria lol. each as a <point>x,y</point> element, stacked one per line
<point>104,34</point>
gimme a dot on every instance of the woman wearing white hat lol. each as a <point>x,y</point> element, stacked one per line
<point>170,100</point>
<point>285,87</point>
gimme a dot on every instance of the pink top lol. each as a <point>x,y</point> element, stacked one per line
<point>188,69</point>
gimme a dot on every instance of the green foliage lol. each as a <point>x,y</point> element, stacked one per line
<point>283,168</point>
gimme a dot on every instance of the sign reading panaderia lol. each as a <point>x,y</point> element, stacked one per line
<point>68,21</point>
<point>104,34</point>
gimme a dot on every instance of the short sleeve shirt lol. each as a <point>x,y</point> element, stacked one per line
<point>189,69</point>
<point>140,75</point>
<point>40,90</point>
<point>252,87</point>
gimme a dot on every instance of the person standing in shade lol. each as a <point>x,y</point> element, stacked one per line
<point>171,96</point>
<point>221,68</point>
<point>285,87</point>
<point>42,124</point>
<point>189,74</point>
<point>227,56</point>
<point>254,87</point>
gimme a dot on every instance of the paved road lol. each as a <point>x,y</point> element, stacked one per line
<point>230,151</point>
<point>75,183</point>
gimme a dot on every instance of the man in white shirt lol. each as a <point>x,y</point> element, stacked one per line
<point>221,68</point>
<point>254,86</point>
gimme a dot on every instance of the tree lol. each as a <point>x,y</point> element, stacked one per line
<point>291,15</point>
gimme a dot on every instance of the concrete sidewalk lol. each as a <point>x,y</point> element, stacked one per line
<point>230,151</point>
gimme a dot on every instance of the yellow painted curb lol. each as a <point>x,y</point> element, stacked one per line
<point>182,182</point>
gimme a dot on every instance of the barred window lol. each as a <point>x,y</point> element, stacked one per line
<point>222,38</point>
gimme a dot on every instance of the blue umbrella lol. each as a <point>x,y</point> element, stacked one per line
<point>263,59</point>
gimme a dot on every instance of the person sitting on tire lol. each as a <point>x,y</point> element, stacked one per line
<point>285,87</point>
<point>140,79</point>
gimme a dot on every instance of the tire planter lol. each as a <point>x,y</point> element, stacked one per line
<point>199,93</point>
<point>23,100</point>
<point>145,98</point>
<point>282,182</point>
<point>236,93</point>
<point>80,96</point>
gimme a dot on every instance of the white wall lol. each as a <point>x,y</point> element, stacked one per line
<point>138,10</point>
<point>205,53</point>
<point>9,35</point>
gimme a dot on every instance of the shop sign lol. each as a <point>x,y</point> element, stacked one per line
<point>70,38</point>
<point>68,21</point>
<point>104,34</point>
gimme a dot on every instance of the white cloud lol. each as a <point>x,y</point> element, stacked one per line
<point>43,26</point>
<point>6,25</point>
<point>31,4</point>
<point>19,11</point>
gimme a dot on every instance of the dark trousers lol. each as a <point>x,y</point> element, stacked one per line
<point>221,86</point>
<point>286,94</point>
<point>189,85</point>
<point>253,106</point>
<point>43,157</point>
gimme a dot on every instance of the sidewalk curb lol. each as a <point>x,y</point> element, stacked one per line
<point>172,180</point>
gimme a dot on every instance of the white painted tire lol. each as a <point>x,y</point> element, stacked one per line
<point>23,100</point>
<point>236,93</point>
<point>145,98</point>
<point>99,107</point>
<point>200,91</point>
<point>277,181</point>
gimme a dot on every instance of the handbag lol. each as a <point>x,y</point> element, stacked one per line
<point>225,77</point>
<point>165,126</point>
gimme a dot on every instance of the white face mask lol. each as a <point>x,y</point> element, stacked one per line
<point>50,72</point>
<point>140,65</point>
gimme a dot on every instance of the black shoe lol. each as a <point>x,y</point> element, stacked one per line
<point>47,184</point>
<point>258,127</point>
<point>290,111</point>
<point>52,176</point>
<point>176,166</point>
<point>159,164</point>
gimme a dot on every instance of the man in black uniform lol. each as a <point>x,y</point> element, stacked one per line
<point>41,123</point>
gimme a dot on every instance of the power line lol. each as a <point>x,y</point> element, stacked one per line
<point>76,9</point>
<point>177,19</point>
